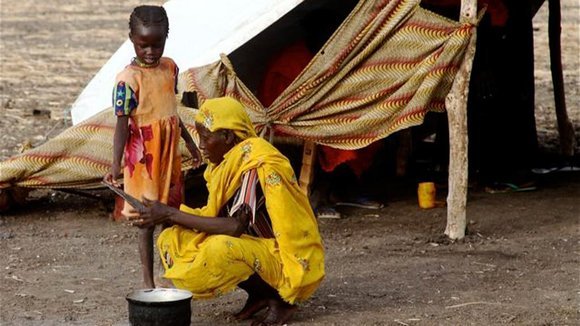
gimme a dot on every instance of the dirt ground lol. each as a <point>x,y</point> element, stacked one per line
<point>64,262</point>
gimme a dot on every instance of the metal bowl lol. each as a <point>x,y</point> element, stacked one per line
<point>160,307</point>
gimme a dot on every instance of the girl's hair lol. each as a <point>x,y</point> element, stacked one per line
<point>149,16</point>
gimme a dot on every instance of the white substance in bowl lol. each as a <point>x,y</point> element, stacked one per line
<point>159,295</point>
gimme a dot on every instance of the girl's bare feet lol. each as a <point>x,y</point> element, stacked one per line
<point>162,282</point>
<point>148,283</point>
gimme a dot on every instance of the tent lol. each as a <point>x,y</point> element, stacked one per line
<point>382,70</point>
<point>189,42</point>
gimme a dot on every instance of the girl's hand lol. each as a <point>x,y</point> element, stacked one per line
<point>154,213</point>
<point>112,176</point>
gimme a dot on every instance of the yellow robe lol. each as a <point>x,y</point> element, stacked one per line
<point>209,265</point>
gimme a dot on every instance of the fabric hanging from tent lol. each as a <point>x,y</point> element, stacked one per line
<point>385,67</point>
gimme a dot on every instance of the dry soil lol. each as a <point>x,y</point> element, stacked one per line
<point>64,262</point>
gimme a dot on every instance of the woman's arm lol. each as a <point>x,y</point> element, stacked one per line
<point>156,213</point>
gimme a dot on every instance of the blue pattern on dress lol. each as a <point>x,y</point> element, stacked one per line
<point>124,100</point>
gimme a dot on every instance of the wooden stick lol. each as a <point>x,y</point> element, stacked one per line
<point>307,170</point>
<point>456,103</point>
<point>565,127</point>
<point>470,304</point>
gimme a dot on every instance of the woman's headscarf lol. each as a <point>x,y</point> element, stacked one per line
<point>226,113</point>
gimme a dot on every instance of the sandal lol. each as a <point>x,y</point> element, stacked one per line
<point>505,187</point>
<point>327,212</point>
<point>566,167</point>
<point>362,202</point>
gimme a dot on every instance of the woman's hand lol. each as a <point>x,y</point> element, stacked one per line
<point>243,215</point>
<point>191,146</point>
<point>195,154</point>
<point>152,214</point>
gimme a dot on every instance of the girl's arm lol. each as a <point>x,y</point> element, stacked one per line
<point>190,144</point>
<point>119,141</point>
<point>156,213</point>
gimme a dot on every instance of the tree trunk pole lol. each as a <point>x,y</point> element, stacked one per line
<point>308,162</point>
<point>456,103</point>
<point>565,127</point>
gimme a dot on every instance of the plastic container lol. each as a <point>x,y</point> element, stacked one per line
<point>426,194</point>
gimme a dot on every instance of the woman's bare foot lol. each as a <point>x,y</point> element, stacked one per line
<point>252,306</point>
<point>279,312</point>
<point>260,296</point>
<point>259,292</point>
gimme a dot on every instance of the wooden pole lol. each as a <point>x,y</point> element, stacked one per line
<point>565,127</point>
<point>307,170</point>
<point>456,103</point>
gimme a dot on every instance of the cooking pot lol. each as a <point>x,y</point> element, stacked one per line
<point>156,307</point>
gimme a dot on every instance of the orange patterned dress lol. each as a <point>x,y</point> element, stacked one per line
<point>152,158</point>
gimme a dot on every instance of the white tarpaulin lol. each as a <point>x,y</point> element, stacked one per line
<point>198,32</point>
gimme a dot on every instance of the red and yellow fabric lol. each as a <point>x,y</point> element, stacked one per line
<point>383,70</point>
<point>209,265</point>
<point>281,71</point>
<point>76,158</point>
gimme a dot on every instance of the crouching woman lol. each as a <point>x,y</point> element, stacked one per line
<point>257,230</point>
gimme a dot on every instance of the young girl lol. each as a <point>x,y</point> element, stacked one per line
<point>148,127</point>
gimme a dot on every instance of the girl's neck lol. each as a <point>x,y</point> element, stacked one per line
<point>141,64</point>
